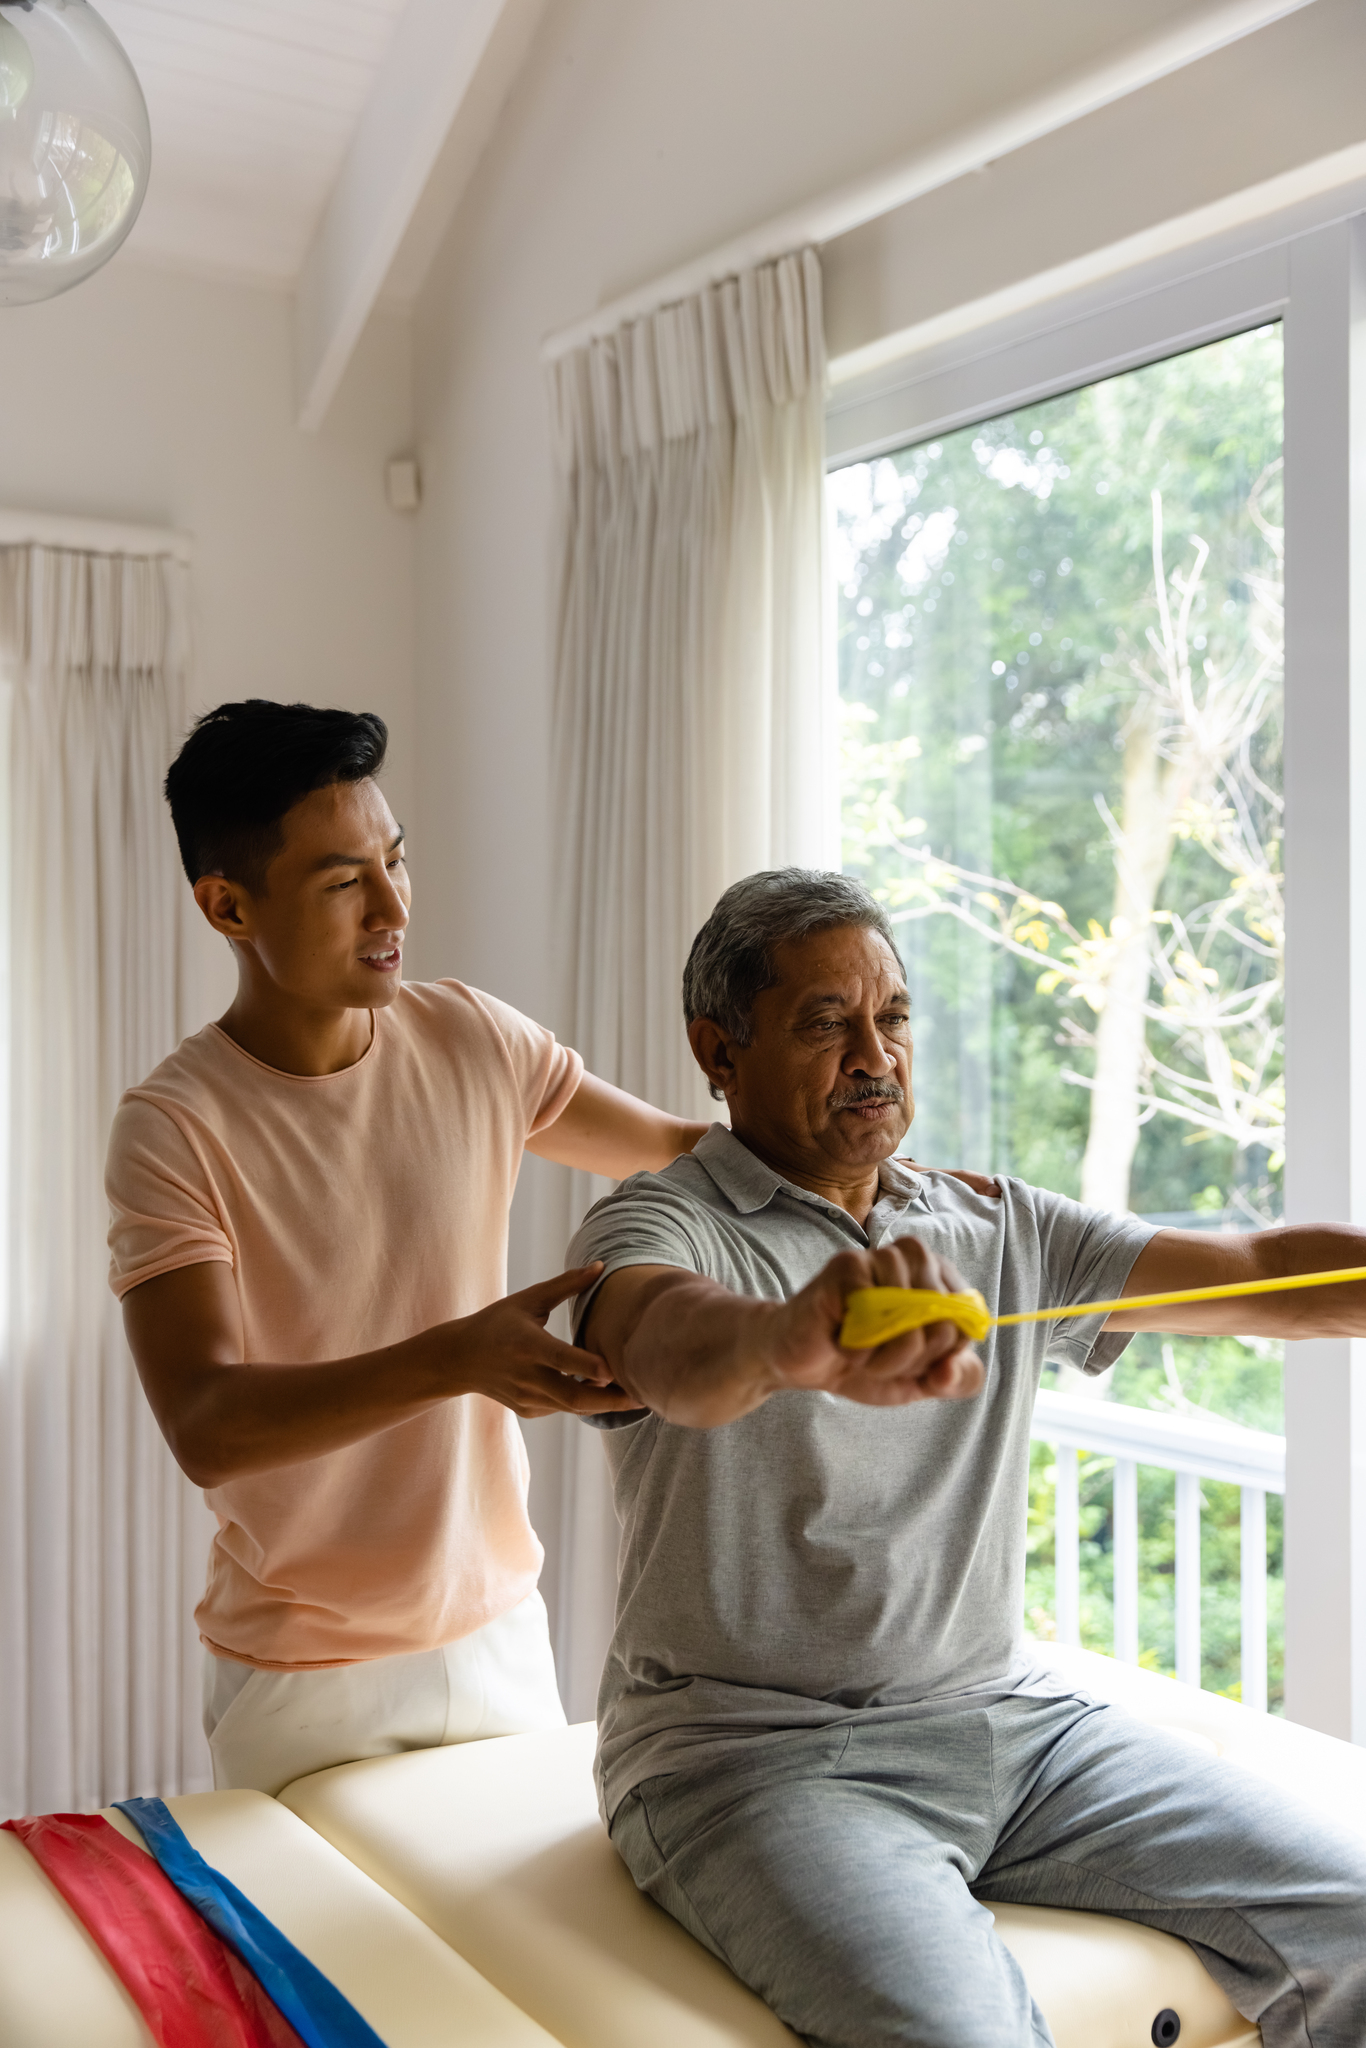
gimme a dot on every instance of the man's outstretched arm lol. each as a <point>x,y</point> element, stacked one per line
<point>699,1355</point>
<point>1175,1259</point>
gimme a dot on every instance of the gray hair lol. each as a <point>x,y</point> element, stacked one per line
<point>731,961</point>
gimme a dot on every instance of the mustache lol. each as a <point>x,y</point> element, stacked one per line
<point>867,1091</point>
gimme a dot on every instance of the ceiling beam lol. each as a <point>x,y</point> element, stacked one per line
<point>1204,28</point>
<point>424,83</point>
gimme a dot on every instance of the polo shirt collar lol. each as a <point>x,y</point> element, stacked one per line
<point>748,1185</point>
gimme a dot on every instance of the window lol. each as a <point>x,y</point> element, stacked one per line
<point>1304,268</point>
<point>1061,650</point>
<point>1307,271</point>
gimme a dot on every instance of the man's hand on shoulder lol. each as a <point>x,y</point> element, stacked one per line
<point>980,1183</point>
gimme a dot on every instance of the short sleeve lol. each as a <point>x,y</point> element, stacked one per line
<point>547,1072</point>
<point>641,1223</point>
<point>162,1212</point>
<point>1086,1255</point>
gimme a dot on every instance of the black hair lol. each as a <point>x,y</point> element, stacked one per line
<point>244,765</point>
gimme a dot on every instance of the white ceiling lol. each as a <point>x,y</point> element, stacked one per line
<point>253,106</point>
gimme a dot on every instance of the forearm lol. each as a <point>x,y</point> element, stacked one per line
<point>224,1419</point>
<point>604,1130</point>
<point>702,1356</point>
<point>241,1419</point>
<point>1314,1311</point>
<point>699,1355</point>
<point>1175,1260</point>
<point>652,1142</point>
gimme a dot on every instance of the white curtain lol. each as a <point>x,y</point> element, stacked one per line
<point>694,736</point>
<point>102,1542</point>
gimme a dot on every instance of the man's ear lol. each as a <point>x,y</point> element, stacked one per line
<point>713,1051</point>
<point>225,904</point>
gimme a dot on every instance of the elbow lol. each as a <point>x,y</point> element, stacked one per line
<point>676,1138</point>
<point>698,1407</point>
<point>200,1472</point>
<point>701,1416</point>
<point>677,1404</point>
<point>203,1465</point>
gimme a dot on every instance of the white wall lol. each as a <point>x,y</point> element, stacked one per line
<point>639,135</point>
<point>168,401</point>
<point>1260,123</point>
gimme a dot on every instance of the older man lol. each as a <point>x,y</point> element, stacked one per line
<point>821,1734</point>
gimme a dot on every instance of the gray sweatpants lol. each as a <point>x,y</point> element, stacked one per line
<point>834,1870</point>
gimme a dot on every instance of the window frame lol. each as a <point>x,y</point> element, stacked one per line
<point>1306,268</point>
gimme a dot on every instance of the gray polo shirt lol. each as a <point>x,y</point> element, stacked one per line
<point>819,1560</point>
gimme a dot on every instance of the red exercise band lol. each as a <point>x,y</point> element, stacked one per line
<point>190,1988</point>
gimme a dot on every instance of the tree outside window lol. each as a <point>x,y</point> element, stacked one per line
<point>1061,643</point>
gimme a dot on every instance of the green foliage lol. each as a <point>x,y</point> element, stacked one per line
<point>1236,1377</point>
<point>1220,1557</point>
<point>997,586</point>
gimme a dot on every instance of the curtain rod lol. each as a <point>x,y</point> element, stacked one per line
<point>851,206</point>
<point>90,536</point>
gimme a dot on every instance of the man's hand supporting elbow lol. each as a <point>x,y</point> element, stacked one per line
<point>225,1419</point>
<point>699,1355</point>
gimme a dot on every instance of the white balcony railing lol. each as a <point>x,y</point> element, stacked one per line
<point>1194,1448</point>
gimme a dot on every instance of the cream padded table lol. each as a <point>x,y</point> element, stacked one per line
<point>498,1847</point>
<point>57,1991</point>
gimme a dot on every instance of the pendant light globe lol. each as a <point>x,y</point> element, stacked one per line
<point>75,146</point>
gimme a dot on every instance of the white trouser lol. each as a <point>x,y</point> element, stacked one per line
<point>266,1728</point>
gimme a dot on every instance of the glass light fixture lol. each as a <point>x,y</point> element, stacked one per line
<point>75,146</point>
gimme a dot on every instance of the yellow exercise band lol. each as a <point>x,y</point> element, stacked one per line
<point>874,1315</point>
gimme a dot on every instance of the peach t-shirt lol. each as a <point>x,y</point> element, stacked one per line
<point>355,1209</point>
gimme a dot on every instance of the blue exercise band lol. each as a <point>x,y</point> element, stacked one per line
<point>312,2004</point>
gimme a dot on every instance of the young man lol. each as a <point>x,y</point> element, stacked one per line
<point>822,1739</point>
<point>310,1216</point>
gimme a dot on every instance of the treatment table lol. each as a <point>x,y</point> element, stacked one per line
<point>469,1897</point>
